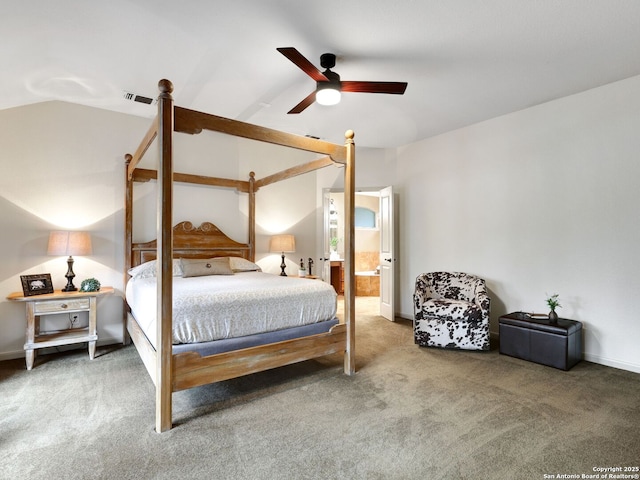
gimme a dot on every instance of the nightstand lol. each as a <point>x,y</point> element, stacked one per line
<point>59,302</point>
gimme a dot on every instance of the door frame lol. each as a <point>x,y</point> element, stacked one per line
<point>326,268</point>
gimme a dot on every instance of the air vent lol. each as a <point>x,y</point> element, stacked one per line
<point>139,98</point>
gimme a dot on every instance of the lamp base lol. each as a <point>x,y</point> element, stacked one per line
<point>283,266</point>
<point>70,287</point>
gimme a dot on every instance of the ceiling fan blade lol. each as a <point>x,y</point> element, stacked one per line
<point>305,65</point>
<point>396,88</point>
<point>309,99</point>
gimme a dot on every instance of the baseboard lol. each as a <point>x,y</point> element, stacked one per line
<point>44,351</point>
<point>608,362</point>
<point>11,355</point>
<point>600,360</point>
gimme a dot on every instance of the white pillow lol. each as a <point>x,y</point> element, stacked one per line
<point>148,269</point>
<point>239,264</point>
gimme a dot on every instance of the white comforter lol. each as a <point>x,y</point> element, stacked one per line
<point>226,306</point>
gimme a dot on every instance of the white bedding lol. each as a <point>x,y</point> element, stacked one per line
<point>225,306</point>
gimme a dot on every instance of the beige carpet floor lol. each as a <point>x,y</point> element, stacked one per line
<point>408,413</point>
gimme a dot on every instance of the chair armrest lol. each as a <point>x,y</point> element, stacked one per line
<point>482,299</point>
<point>420,295</point>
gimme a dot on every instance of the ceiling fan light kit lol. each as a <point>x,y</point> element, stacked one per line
<point>327,95</point>
<point>328,83</point>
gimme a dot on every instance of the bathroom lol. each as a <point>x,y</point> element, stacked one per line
<point>367,239</point>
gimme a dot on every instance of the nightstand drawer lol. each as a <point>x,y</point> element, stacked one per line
<point>66,305</point>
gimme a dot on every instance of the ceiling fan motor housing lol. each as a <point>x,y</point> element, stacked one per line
<point>327,60</point>
<point>334,80</point>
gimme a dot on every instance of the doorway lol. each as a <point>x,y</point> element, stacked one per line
<point>374,262</point>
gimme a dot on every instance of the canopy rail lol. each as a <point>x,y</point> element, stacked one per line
<point>193,122</point>
<point>146,142</point>
<point>145,175</point>
<point>295,171</point>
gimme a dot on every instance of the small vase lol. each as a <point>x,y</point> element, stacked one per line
<point>553,316</point>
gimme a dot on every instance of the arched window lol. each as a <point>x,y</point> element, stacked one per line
<point>364,218</point>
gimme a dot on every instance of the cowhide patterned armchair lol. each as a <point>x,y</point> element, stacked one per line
<point>451,310</point>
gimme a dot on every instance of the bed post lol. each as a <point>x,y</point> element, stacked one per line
<point>128,238</point>
<point>349,274</point>
<point>252,216</point>
<point>164,220</point>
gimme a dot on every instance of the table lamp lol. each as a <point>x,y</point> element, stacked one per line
<point>284,244</point>
<point>69,243</point>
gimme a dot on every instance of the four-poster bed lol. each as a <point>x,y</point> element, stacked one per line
<point>173,369</point>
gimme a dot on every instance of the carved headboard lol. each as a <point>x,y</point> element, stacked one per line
<point>205,241</point>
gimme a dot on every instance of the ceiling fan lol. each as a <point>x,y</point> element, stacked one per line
<point>329,84</point>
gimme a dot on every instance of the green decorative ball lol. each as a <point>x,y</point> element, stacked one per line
<point>90,285</point>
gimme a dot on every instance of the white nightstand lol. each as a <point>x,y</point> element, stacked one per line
<point>59,302</point>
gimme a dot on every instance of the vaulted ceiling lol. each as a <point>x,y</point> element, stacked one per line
<point>464,60</point>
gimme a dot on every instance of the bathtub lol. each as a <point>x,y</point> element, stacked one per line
<point>367,283</point>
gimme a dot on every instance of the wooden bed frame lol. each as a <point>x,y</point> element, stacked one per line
<point>171,372</point>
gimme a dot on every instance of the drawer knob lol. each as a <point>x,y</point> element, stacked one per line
<point>64,305</point>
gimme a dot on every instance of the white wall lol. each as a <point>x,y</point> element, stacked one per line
<point>288,206</point>
<point>541,201</point>
<point>62,167</point>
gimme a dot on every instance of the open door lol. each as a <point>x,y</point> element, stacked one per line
<point>387,255</point>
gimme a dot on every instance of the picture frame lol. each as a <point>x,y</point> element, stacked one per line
<point>38,284</point>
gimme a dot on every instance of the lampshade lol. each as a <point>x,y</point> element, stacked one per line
<point>69,243</point>
<point>282,243</point>
<point>328,95</point>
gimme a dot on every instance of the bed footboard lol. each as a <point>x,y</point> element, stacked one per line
<point>191,369</point>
